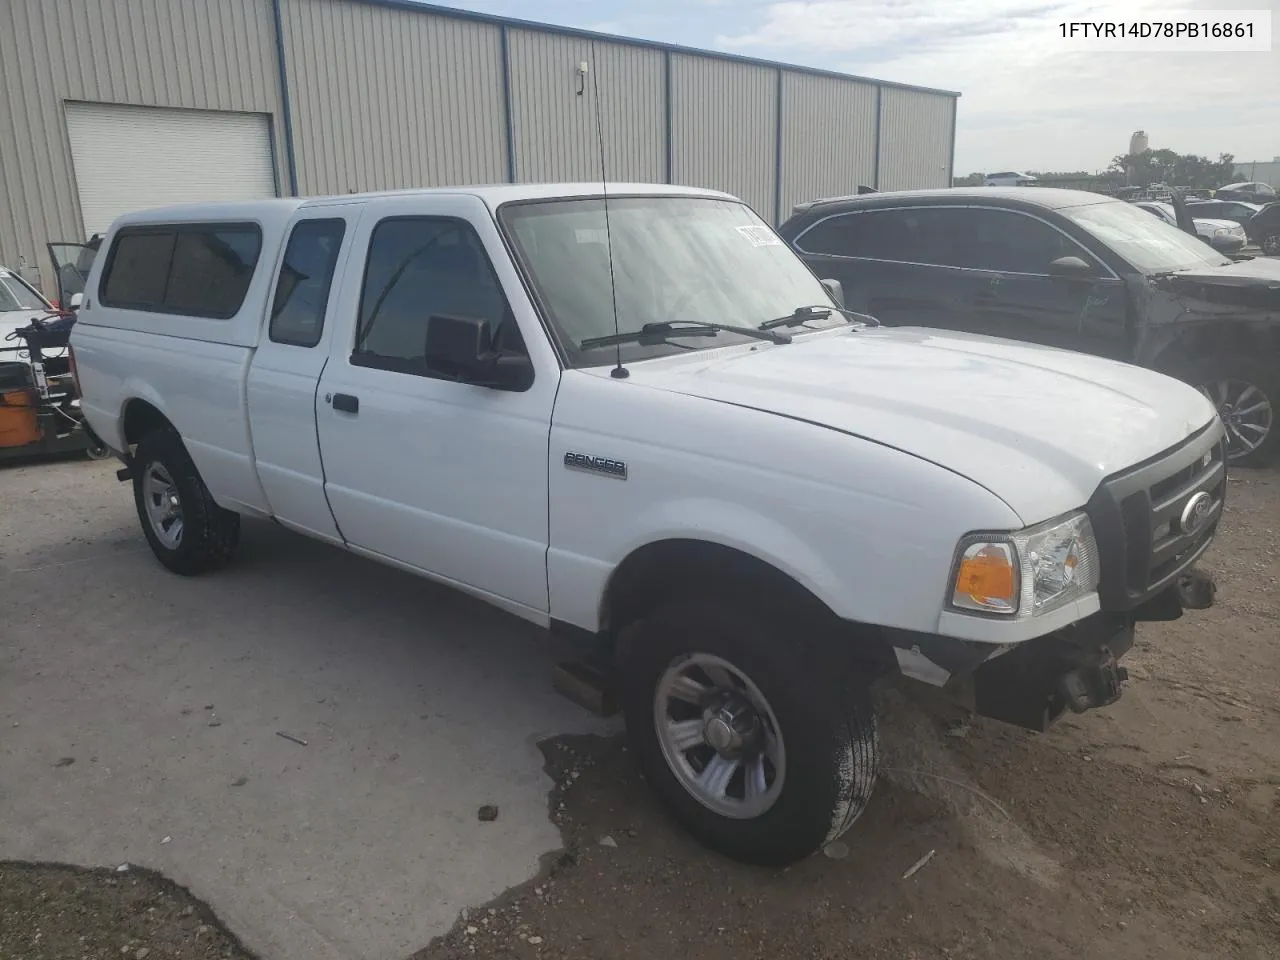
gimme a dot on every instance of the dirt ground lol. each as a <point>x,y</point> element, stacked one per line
<point>56,912</point>
<point>1149,829</point>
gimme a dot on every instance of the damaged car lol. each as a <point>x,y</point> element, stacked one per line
<point>1068,269</point>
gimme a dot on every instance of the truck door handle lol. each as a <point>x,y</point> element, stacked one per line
<point>346,403</point>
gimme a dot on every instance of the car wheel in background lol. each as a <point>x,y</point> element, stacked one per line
<point>757,743</point>
<point>1246,393</point>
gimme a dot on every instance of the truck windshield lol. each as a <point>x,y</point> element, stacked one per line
<point>693,259</point>
<point>1147,242</point>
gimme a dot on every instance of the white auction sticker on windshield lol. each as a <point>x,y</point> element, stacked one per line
<point>760,236</point>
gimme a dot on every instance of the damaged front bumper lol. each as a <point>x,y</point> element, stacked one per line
<point>1034,683</point>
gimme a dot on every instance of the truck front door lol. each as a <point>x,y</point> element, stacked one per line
<point>446,478</point>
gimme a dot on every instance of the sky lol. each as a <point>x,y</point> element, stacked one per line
<point>1028,102</point>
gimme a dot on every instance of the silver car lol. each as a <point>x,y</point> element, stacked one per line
<point>1225,236</point>
<point>20,303</point>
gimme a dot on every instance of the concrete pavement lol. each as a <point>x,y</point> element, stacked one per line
<point>418,706</point>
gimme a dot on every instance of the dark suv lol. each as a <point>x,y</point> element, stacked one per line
<point>1068,269</point>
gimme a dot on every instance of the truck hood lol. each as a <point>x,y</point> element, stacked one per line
<point>1038,427</point>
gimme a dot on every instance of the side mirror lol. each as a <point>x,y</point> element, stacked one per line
<point>76,300</point>
<point>1070,267</point>
<point>836,289</point>
<point>462,348</point>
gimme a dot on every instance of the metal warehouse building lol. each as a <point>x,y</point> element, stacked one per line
<point>113,105</point>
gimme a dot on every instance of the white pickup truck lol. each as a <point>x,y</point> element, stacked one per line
<point>637,417</point>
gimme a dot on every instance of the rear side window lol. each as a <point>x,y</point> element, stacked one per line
<point>931,235</point>
<point>199,270</point>
<point>302,289</point>
<point>138,270</point>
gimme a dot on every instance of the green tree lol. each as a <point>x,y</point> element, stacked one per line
<point>1182,170</point>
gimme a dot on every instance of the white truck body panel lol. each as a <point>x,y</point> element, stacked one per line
<point>1040,427</point>
<point>851,460</point>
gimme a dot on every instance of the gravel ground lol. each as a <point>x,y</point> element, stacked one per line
<point>56,912</point>
<point>1150,829</point>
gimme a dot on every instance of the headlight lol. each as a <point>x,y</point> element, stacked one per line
<point>1028,572</point>
<point>1223,232</point>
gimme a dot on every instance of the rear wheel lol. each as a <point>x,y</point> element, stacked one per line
<point>1246,394</point>
<point>1271,245</point>
<point>754,739</point>
<point>187,531</point>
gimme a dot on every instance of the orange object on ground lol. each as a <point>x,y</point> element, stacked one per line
<point>18,423</point>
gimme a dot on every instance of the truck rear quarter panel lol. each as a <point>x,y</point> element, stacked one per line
<point>198,385</point>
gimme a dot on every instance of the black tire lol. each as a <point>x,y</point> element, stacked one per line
<point>1264,376</point>
<point>823,710</point>
<point>1271,245</point>
<point>95,449</point>
<point>209,534</point>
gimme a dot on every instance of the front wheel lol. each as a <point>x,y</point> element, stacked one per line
<point>747,731</point>
<point>187,531</point>
<point>1271,245</point>
<point>1246,393</point>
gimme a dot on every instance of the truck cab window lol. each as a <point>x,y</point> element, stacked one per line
<point>419,267</point>
<point>302,289</point>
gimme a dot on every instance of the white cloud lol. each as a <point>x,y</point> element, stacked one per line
<point>1028,101</point>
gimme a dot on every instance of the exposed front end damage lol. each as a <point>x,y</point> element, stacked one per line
<point>1153,522</point>
<point>1186,314</point>
<point>1032,684</point>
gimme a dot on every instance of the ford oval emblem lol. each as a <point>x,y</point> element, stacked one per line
<point>1196,513</point>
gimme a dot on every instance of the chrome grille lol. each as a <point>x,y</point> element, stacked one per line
<point>1155,520</point>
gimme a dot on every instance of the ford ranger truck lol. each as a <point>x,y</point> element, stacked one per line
<point>633,415</point>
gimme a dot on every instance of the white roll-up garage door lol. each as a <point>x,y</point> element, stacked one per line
<point>130,158</point>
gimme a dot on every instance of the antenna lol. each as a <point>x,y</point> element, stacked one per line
<point>619,372</point>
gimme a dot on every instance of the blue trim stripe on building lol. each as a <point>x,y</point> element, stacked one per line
<point>951,157</point>
<point>777,155</point>
<point>875,171</point>
<point>507,106</point>
<point>286,113</point>
<point>666,70</point>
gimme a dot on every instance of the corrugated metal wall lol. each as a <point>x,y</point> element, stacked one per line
<point>555,129</point>
<point>383,95</point>
<point>384,98</point>
<point>724,128</point>
<point>916,138</point>
<point>828,137</point>
<point>214,54</point>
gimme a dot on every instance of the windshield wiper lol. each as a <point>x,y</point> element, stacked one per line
<point>652,334</point>
<point>820,311</point>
